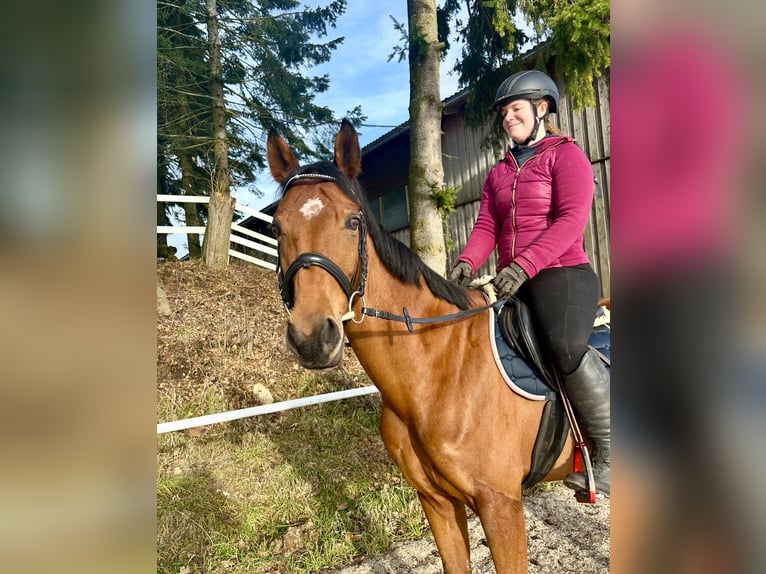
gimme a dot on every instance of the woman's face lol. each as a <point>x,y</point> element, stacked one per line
<point>518,119</point>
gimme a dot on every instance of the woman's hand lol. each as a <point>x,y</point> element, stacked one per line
<point>508,281</point>
<point>461,273</point>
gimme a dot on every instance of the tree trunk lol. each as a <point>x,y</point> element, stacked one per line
<point>162,238</point>
<point>221,209</point>
<point>190,209</point>
<point>188,174</point>
<point>162,216</point>
<point>426,171</point>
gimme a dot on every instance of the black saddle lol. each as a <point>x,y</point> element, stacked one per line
<point>515,322</point>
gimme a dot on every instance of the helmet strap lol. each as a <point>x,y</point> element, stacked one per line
<point>536,127</point>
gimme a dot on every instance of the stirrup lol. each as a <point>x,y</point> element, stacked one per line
<point>581,455</point>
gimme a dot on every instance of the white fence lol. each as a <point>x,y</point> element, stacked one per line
<point>228,416</point>
<point>259,242</point>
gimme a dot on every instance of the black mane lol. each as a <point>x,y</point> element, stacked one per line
<point>399,259</point>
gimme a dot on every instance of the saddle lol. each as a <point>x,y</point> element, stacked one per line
<point>515,324</point>
<point>529,376</point>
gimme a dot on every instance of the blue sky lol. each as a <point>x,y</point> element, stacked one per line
<point>361,75</point>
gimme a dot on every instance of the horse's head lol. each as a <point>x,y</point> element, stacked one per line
<point>322,245</point>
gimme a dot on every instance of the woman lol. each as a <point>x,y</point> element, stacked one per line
<point>534,208</point>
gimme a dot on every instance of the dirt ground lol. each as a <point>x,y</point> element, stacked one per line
<point>564,536</point>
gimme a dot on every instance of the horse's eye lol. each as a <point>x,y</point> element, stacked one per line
<point>353,222</point>
<point>274,229</point>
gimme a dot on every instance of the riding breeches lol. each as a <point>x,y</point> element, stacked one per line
<point>563,302</point>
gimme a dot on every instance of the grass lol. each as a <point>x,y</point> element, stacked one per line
<point>291,492</point>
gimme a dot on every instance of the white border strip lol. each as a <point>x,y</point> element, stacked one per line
<point>255,213</point>
<point>183,198</point>
<point>250,233</point>
<point>263,409</point>
<point>181,229</point>
<point>253,245</point>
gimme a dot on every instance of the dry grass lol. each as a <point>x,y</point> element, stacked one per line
<point>290,492</point>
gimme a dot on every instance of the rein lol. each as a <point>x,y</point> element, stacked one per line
<point>307,260</point>
<point>409,321</point>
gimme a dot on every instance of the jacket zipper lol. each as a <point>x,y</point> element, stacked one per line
<point>513,192</point>
<point>513,210</point>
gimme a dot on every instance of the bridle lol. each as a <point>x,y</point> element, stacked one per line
<point>359,277</point>
<point>307,260</point>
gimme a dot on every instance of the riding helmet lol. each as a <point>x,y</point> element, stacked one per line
<point>531,85</point>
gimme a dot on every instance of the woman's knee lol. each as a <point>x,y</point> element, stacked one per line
<point>566,354</point>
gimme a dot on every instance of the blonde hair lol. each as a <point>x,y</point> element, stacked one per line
<point>551,128</point>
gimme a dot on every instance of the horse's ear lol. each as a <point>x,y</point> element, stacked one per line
<point>281,159</point>
<point>348,156</point>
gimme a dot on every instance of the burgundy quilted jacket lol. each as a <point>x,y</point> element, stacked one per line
<point>535,214</point>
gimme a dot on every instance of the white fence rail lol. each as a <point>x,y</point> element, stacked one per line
<point>257,242</point>
<point>263,409</point>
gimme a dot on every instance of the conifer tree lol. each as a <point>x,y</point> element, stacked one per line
<point>263,82</point>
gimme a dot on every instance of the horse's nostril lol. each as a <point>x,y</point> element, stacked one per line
<point>320,347</point>
<point>330,333</point>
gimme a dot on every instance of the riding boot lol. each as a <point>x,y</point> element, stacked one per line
<point>588,390</point>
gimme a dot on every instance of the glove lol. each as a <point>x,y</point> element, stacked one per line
<point>508,281</point>
<point>461,273</point>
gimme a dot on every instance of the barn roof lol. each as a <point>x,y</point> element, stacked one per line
<point>453,101</point>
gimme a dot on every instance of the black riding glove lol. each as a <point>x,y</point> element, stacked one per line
<point>461,273</point>
<point>508,281</point>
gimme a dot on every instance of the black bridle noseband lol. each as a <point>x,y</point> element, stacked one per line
<point>307,260</point>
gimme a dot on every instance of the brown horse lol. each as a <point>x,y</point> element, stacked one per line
<point>459,435</point>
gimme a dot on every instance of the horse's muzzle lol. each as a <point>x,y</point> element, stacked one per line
<point>318,347</point>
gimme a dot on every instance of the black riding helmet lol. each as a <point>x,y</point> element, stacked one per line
<point>530,85</point>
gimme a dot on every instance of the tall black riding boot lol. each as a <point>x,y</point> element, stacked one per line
<point>588,390</point>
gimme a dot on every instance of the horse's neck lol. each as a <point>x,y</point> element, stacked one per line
<point>400,363</point>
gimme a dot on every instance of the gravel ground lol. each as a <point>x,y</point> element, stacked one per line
<point>564,536</point>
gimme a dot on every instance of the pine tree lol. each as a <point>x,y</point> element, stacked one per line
<point>426,175</point>
<point>261,83</point>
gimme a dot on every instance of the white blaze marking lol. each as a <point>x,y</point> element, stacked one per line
<point>312,208</point>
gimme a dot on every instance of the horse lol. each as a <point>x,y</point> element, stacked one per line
<point>456,431</point>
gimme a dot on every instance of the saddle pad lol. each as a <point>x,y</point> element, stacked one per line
<point>525,379</point>
<point>522,378</point>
